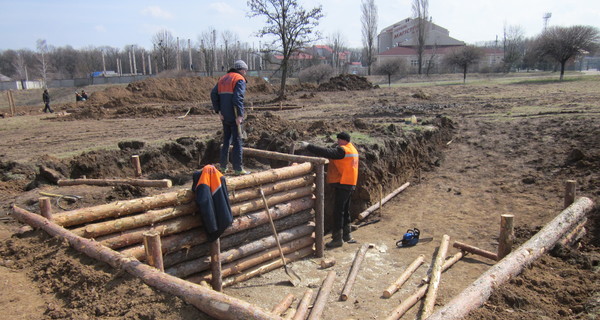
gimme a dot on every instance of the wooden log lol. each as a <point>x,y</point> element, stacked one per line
<point>326,263</point>
<point>237,266</point>
<point>404,276</point>
<point>237,239</point>
<point>215,266</point>
<point>164,228</point>
<point>290,314</point>
<point>480,290</point>
<point>358,258</point>
<point>164,183</point>
<point>320,211</point>
<point>264,177</point>
<point>197,236</point>
<point>189,267</point>
<point>45,207</point>
<point>447,264</point>
<point>277,198</point>
<point>303,305</point>
<point>236,196</point>
<point>322,296</point>
<point>507,235</point>
<point>573,236</point>
<point>137,167</point>
<point>436,276</point>
<point>283,156</point>
<point>153,249</point>
<point>570,191</point>
<point>213,303</point>
<point>283,305</point>
<point>261,269</point>
<point>122,208</point>
<point>420,293</point>
<point>374,207</point>
<point>147,218</point>
<point>475,250</point>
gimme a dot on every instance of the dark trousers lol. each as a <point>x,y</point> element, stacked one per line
<point>231,136</point>
<point>341,208</point>
<point>47,107</point>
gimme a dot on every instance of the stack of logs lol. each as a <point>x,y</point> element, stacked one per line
<point>248,246</point>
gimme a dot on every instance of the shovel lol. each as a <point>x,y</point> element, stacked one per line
<point>241,131</point>
<point>294,278</point>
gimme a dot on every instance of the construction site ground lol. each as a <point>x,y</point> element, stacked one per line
<point>512,144</point>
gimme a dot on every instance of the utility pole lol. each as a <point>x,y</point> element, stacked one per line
<point>130,63</point>
<point>103,64</point>
<point>149,64</point>
<point>190,54</point>
<point>143,63</point>
<point>134,64</point>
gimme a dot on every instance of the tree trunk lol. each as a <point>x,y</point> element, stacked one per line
<point>376,206</point>
<point>281,197</point>
<point>165,183</point>
<point>236,196</point>
<point>360,254</point>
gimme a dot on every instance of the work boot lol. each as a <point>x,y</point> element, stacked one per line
<point>347,236</point>
<point>336,240</point>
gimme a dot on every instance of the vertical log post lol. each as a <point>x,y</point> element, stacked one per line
<point>283,304</point>
<point>436,275</point>
<point>570,187</point>
<point>404,276</point>
<point>215,265</point>
<point>45,207</point>
<point>303,305</point>
<point>507,235</point>
<point>137,167</point>
<point>322,296</point>
<point>153,249</point>
<point>360,254</point>
<point>320,211</point>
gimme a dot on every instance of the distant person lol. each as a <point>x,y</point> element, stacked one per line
<point>77,97</point>
<point>342,175</point>
<point>46,99</point>
<point>228,101</point>
<point>84,95</point>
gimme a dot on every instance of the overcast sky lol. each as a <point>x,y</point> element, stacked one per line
<point>84,23</point>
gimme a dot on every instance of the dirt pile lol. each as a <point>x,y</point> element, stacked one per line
<point>346,82</point>
<point>156,97</point>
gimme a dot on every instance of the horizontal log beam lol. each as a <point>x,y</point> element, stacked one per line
<point>376,206</point>
<point>283,156</point>
<point>121,208</point>
<point>165,183</point>
<point>213,303</point>
<point>264,177</point>
<point>147,218</point>
<point>475,250</point>
<point>274,199</point>
<point>249,193</point>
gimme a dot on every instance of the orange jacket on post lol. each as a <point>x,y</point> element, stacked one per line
<point>212,200</point>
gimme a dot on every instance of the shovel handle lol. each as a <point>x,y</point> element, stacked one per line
<point>262,194</point>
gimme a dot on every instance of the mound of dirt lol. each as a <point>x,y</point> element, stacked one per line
<point>154,97</point>
<point>346,82</point>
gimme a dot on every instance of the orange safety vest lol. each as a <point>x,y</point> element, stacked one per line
<point>227,82</point>
<point>344,171</point>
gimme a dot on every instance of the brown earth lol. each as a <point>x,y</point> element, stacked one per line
<point>480,150</point>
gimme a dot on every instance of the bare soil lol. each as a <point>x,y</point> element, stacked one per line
<point>478,151</point>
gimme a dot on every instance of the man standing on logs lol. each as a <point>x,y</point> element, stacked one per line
<point>228,101</point>
<point>342,174</point>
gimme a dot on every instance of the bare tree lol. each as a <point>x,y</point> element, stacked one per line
<point>230,43</point>
<point>565,43</point>
<point>369,31</point>
<point>20,66</point>
<point>42,48</point>
<point>391,67</point>
<point>316,73</point>
<point>513,45</point>
<point>420,10</point>
<point>338,45</point>
<point>164,49</point>
<point>463,58</point>
<point>290,24</point>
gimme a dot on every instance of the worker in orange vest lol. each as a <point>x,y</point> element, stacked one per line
<point>342,175</point>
